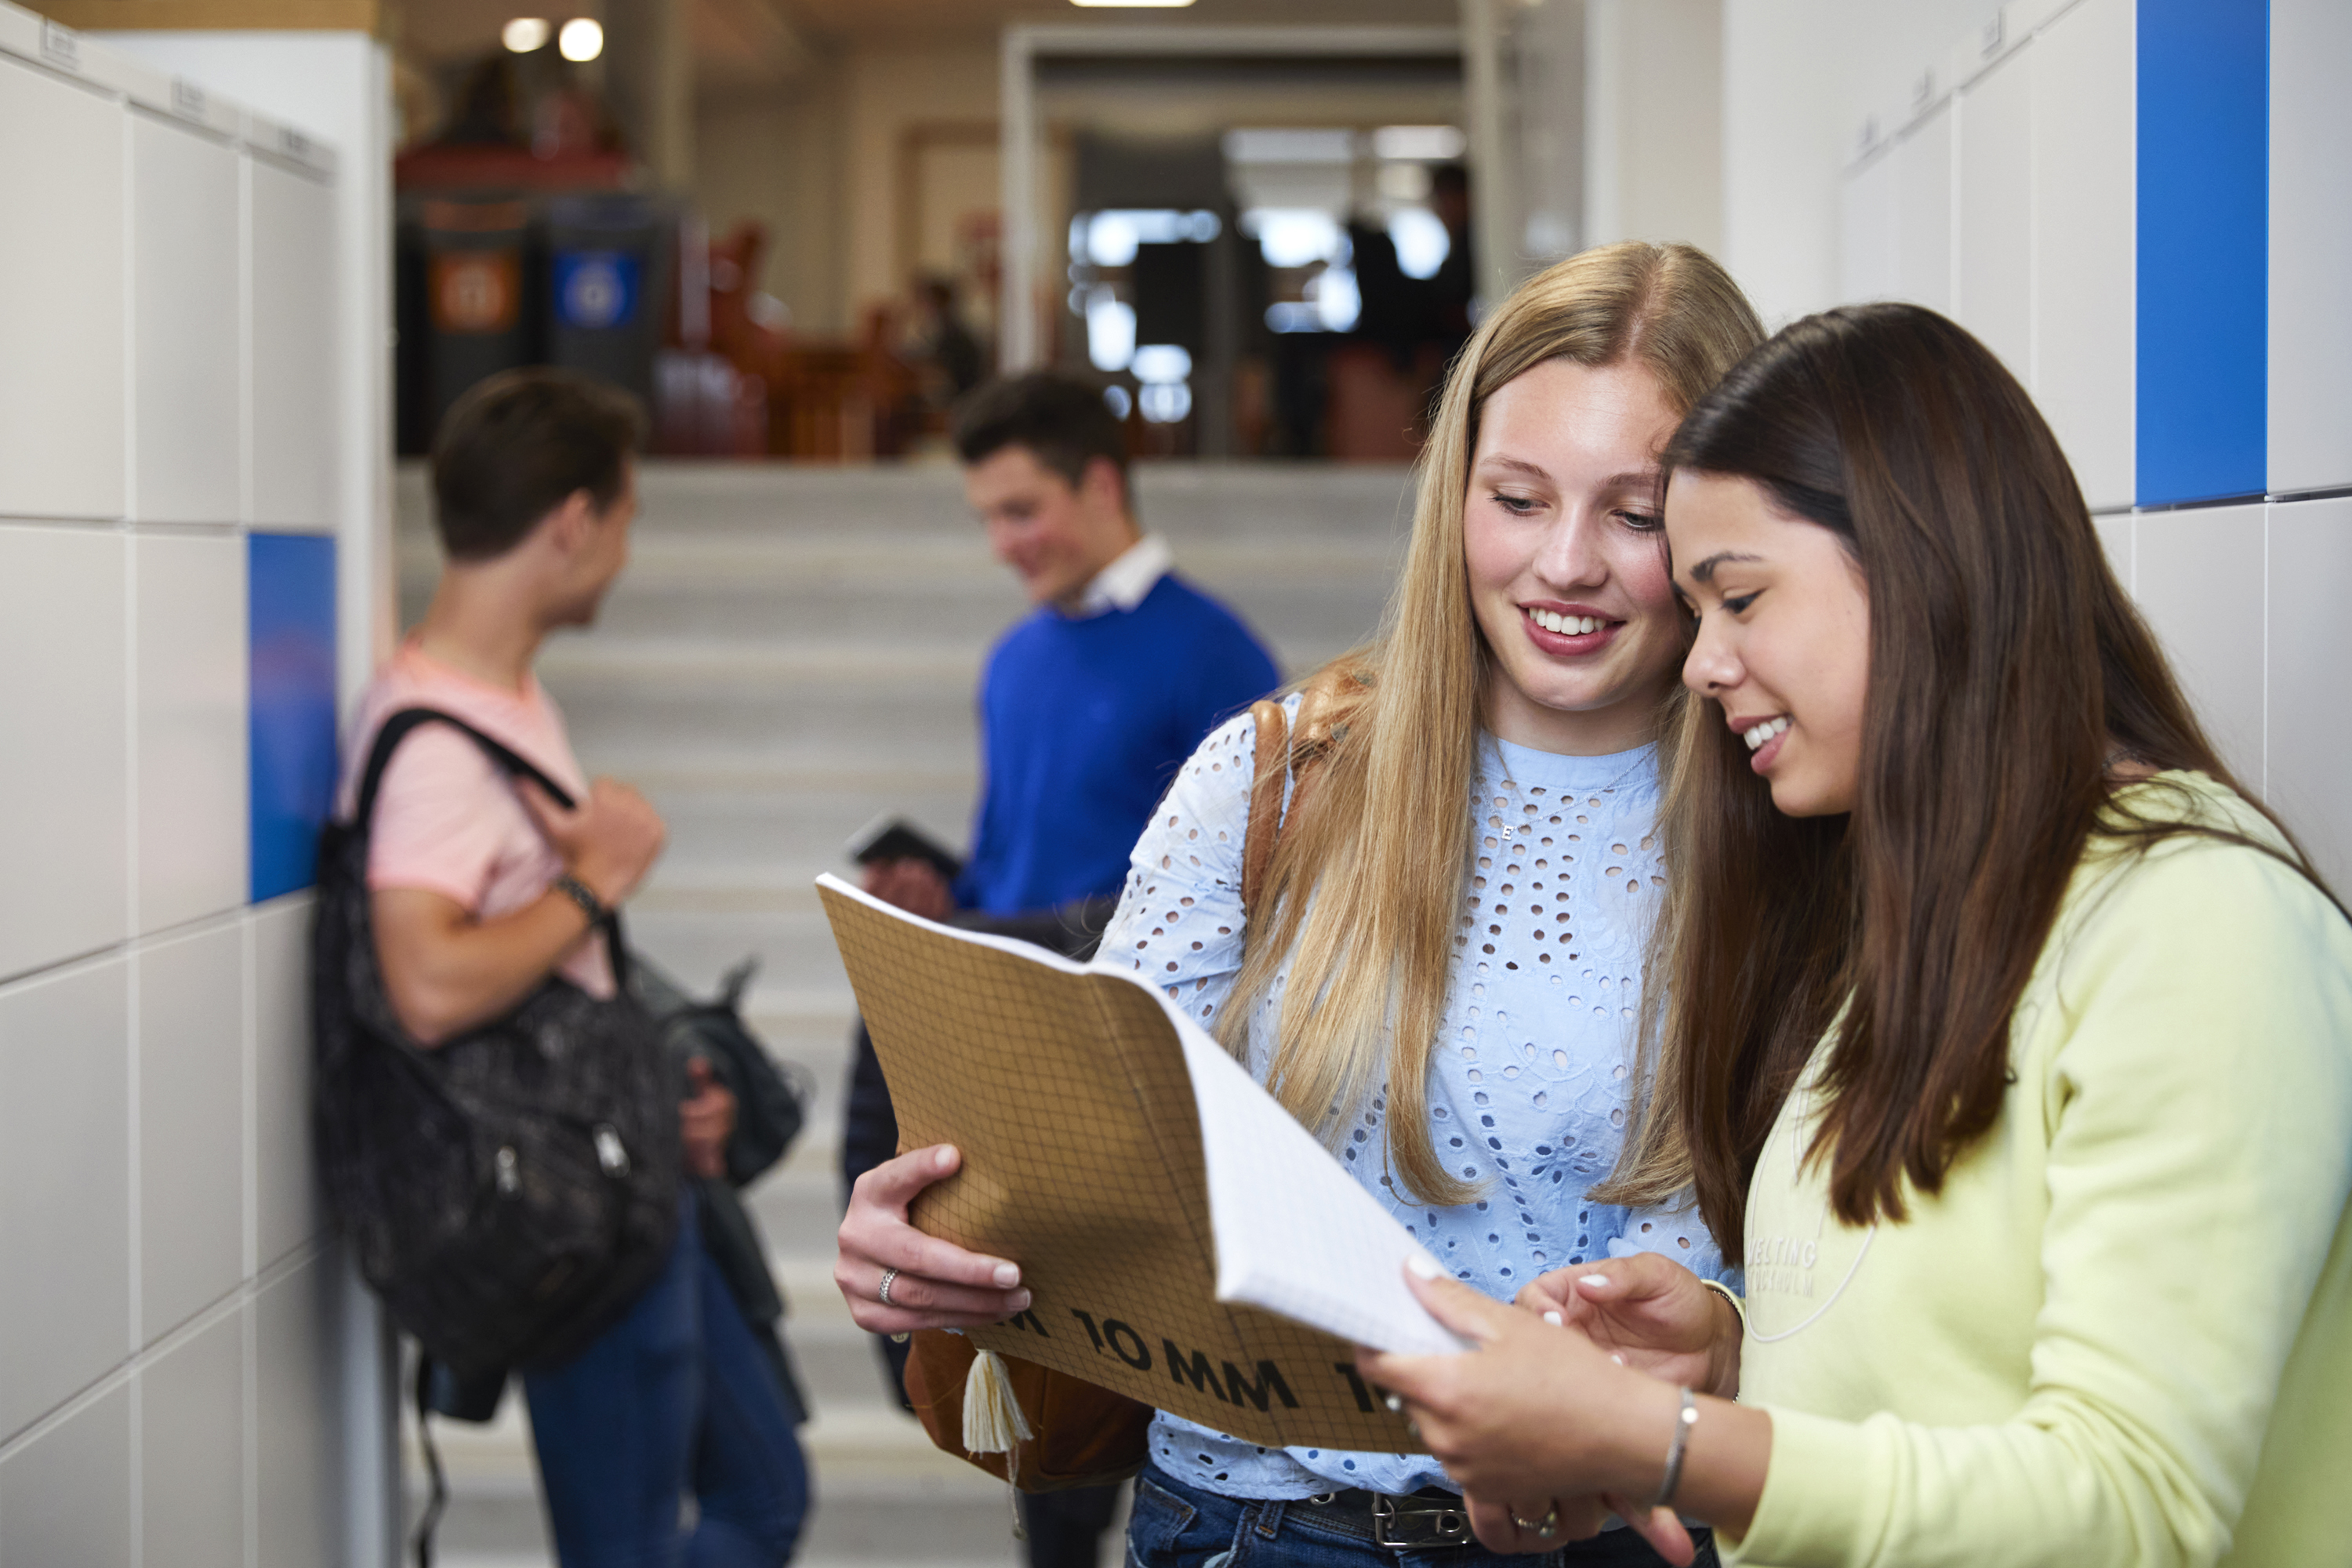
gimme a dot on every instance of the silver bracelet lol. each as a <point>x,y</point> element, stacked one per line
<point>1684,1419</point>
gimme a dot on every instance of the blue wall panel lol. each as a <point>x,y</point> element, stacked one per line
<point>291,595</point>
<point>2204,248</point>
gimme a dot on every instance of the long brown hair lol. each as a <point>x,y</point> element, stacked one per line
<point>1361,895</point>
<point>2009,677</point>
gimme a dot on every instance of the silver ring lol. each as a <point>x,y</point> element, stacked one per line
<point>883,1295</point>
<point>1395,1403</point>
<point>1541,1529</point>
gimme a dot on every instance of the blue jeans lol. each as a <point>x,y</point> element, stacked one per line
<point>674,1397</point>
<point>1178,1526</point>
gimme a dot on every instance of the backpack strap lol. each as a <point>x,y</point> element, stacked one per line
<point>399,726</point>
<point>1285,751</point>
<point>1271,769</point>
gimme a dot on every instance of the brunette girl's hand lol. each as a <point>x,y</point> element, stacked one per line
<point>1513,1421</point>
<point>1496,1523</point>
<point>1651,1313</point>
<point>932,1284</point>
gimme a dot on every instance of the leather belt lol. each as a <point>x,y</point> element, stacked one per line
<point>1432,1517</point>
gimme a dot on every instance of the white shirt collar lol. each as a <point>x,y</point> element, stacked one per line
<point>1125,582</point>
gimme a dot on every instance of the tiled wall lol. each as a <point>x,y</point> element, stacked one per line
<point>171,1314</point>
<point>2145,206</point>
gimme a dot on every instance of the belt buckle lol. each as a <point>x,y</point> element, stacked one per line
<point>1401,1526</point>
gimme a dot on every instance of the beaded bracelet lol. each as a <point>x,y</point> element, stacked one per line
<point>1738,1308</point>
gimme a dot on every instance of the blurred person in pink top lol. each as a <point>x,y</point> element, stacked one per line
<point>483,887</point>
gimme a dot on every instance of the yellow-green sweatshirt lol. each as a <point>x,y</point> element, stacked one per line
<point>2123,1332</point>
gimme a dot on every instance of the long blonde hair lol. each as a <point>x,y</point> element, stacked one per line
<point>1361,893</point>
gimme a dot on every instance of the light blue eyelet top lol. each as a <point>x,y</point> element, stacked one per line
<point>1528,1092</point>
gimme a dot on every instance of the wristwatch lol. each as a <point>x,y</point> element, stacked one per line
<point>581,893</point>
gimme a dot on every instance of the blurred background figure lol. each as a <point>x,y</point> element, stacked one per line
<point>1087,706</point>
<point>953,357</point>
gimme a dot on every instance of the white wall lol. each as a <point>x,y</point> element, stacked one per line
<point>1652,125</point>
<point>173,1319</point>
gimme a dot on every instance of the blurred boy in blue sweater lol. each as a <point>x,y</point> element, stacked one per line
<point>1087,707</point>
<point>1090,703</point>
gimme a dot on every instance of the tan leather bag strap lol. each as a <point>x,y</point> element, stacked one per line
<point>1271,769</point>
<point>1285,751</point>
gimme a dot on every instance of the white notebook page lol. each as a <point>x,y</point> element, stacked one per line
<point>1296,1233</point>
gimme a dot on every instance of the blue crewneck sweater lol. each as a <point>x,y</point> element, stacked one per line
<point>1084,720</point>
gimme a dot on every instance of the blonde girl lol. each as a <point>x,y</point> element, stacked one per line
<point>1440,971</point>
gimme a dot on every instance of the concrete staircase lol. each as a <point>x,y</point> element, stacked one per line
<point>792,651</point>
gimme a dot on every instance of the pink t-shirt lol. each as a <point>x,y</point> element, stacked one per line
<point>448,818</point>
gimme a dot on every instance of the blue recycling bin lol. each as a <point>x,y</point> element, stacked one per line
<point>607,269</point>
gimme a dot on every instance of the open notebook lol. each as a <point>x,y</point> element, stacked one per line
<point>1186,1241</point>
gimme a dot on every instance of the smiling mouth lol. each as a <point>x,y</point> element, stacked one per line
<point>1569,625</point>
<point>1759,735</point>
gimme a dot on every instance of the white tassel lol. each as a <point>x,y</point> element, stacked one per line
<point>992,1422</point>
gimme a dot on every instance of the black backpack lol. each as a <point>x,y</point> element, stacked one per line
<point>511,1193</point>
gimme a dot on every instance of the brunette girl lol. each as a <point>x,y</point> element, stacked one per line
<point>2004,1034</point>
<point>1440,971</point>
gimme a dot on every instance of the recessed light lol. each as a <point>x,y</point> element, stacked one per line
<point>525,34</point>
<point>582,39</point>
<point>1422,144</point>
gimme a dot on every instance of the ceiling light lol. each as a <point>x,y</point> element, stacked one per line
<point>1423,143</point>
<point>582,39</point>
<point>525,34</point>
<point>1288,144</point>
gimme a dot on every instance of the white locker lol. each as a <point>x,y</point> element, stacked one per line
<point>2310,648</point>
<point>187,326</point>
<point>300,1484</point>
<point>65,1295</point>
<point>2198,576</point>
<point>192,1447</point>
<point>191,1126</point>
<point>2116,536</point>
<point>189,718</point>
<point>2085,245</point>
<point>1993,293</point>
<point>1923,173</point>
<point>66,1495</point>
<point>1871,232</point>
<point>296,419</point>
<point>2311,246</point>
<point>62,413</point>
<point>64,709</point>
<point>288,1210</point>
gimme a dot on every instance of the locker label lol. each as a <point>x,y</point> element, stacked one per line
<point>61,46</point>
